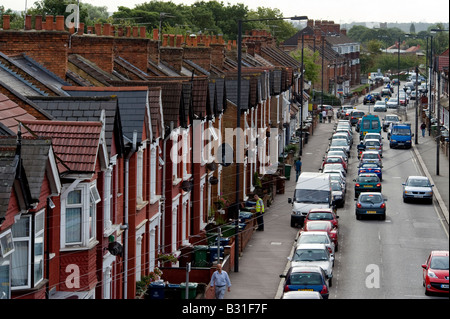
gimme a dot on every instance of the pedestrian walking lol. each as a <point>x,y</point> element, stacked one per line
<point>259,208</point>
<point>330,115</point>
<point>298,168</point>
<point>324,116</point>
<point>423,127</point>
<point>220,281</point>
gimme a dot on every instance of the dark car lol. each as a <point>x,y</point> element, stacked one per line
<point>367,182</point>
<point>369,99</point>
<point>311,278</point>
<point>395,82</point>
<point>373,168</point>
<point>370,204</point>
<point>386,92</point>
<point>355,116</point>
<point>377,96</point>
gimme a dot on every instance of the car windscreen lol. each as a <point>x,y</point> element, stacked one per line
<point>312,196</point>
<point>439,263</point>
<point>370,156</point>
<point>372,143</point>
<point>307,278</point>
<point>358,114</point>
<point>314,239</point>
<point>373,199</point>
<point>401,131</point>
<point>320,216</point>
<point>310,255</point>
<point>367,179</point>
<point>336,187</point>
<point>418,182</point>
<point>339,142</point>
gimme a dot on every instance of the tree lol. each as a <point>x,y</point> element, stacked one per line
<point>412,28</point>
<point>310,60</point>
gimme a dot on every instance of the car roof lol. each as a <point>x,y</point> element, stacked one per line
<point>321,210</point>
<point>301,295</point>
<point>311,246</point>
<point>371,193</point>
<point>314,233</point>
<point>306,269</point>
<point>418,177</point>
<point>439,253</point>
<point>370,152</point>
<point>368,175</point>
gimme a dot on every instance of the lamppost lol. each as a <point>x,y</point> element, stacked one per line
<point>416,104</point>
<point>238,124</point>
<point>438,104</point>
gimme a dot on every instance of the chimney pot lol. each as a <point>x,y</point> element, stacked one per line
<point>165,37</point>
<point>107,29</point>
<point>38,22</point>
<point>135,32</point>
<point>49,22</point>
<point>6,21</point>
<point>28,22</point>
<point>155,34</point>
<point>81,28</point>
<point>128,31</point>
<point>142,32</point>
<point>59,23</point>
<point>98,29</point>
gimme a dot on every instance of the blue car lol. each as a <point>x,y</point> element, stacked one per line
<point>371,168</point>
<point>306,278</point>
<point>371,204</point>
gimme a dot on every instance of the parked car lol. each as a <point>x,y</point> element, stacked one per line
<point>380,106</point>
<point>338,193</point>
<point>323,225</point>
<point>317,237</point>
<point>435,272</point>
<point>370,204</point>
<point>338,177</point>
<point>342,143</point>
<point>374,145</point>
<point>371,168</point>
<point>339,152</point>
<point>327,168</point>
<point>322,214</point>
<point>306,279</point>
<point>333,160</point>
<point>395,81</point>
<point>388,119</point>
<point>314,255</point>
<point>367,182</point>
<point>343,135</point>
<point>419,188</point>
<point>343,110</point>
<point>392,103</point>
<point>403,99</point>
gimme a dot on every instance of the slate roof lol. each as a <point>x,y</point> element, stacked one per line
<point>87,109</point>
<point>11,112</point>
<point>133,102</point>
<point>34,154</point>
<point>75,144</point>
<point>8,167</point>
<point>19,83</point>
<point>35,70</point>
<point>90,68</point>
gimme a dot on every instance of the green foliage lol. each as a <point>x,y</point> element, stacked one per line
<point>311,62</point>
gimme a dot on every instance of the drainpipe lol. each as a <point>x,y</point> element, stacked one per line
<point>125,225</point>
<point>163,192</point>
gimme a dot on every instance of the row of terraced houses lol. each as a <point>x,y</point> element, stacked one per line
<point>110,138</point>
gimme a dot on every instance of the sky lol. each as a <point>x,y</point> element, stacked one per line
<point>344,11</point>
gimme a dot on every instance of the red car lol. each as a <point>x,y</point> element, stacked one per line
<point>435,272</point>
<point>323,214</point>
<point>322,225</point>
<point>335,159</point>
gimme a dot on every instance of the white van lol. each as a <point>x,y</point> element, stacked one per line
<point>313,190</point>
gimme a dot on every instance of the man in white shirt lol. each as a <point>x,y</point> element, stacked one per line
<point>220,281</point>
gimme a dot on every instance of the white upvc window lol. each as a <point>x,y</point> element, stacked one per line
<point>140,176</point>
<point>24,264</point>
<point>79,215</point>
<point>153,163</point>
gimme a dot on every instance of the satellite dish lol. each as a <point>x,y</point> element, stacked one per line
<point>115,248</point>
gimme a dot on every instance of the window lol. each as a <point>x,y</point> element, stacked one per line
<point>78,215</point>
<point>5,291</point>
<point>39,247</point>
<point>153,172</point>
<point>23,262</point>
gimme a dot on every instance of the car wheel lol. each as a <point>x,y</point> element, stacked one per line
<point>383,217</point>
<point>292,223</point>
<point>358,217</point>
<point>336,248</point>
<point>405,200</point>
<point>330,282</point>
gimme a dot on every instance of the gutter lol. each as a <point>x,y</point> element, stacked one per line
<point>125,225</point>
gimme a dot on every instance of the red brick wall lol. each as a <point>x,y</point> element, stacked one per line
<point>133,50</point>
<point>46,47</point>
<point>199,55</point>
<point>97,49</point>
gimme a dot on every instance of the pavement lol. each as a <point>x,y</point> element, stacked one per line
<point>265,256</point>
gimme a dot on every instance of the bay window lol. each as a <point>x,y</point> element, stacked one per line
<point>79,216</point>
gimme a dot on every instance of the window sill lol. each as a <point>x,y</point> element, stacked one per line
<point>154,199</point>
<point>141,205</point>
<point>176,181</point>
<point>91,245</point>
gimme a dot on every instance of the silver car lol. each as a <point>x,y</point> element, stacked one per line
<point>317,237</point>
<point>418,187</point>
<point>314,255</point>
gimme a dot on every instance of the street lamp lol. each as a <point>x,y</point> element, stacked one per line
<point>438,128</point>
<point>238,123</point>
<point>416,104</point>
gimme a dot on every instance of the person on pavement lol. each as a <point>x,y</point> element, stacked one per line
<point>423,127</point>
<point>330,115</point>
<point>298,168</point>
<point>324,116</point>
<point>259,208</point>
<point>220,281</point>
